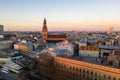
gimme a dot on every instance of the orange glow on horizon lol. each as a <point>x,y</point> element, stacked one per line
<point>61,26</point>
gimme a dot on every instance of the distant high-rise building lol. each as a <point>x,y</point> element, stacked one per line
<point>111,30</point>
<point>1,28</point>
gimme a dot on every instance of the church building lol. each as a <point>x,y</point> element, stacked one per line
<point>46,37</point>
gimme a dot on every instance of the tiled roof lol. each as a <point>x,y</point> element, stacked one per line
<point>57,36</point>
<point>88,48</point>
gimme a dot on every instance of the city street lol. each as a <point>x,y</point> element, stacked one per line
<point>9,76</point>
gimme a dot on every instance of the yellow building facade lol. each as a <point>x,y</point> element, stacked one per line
<point>59,68</point>
<point>22,47</point>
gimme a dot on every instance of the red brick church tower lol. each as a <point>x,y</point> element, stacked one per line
<point>44,31</point>
<point>46,38</point>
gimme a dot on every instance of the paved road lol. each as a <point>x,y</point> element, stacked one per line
<point>6,77</point>
<point>9,76</point>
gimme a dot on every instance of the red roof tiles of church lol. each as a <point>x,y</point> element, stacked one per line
<point>57,36</point>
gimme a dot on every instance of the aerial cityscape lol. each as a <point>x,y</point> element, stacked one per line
<point>60,40</point>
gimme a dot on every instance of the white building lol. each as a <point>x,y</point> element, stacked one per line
<point>60,48</point>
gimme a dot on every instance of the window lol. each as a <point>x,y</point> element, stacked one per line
<point>83,76</point>
<point>95,74</point>
<point>109,77</point>
<point>77,74</point>
<point>84,71</point>
<point>104,76</point>
<point>91,73</point>
<point>76,69</point>
<point>64,66</point>
<point>80,70</point>
<point>87,72</point>
<point>73,68</point>
<point>114,78</point>
<point>95,79</point>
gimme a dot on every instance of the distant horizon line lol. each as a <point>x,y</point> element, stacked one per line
<point>57,31</point>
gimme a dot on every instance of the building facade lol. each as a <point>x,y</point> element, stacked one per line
<point>89,51</point>
<point>24,47</point>
<point>58,68</point>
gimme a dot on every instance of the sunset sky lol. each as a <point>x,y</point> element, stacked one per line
<point>61,15</point>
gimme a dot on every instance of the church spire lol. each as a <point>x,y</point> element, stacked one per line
<point>44,21</point>
<point>44,25</point>
<point>44,31</point>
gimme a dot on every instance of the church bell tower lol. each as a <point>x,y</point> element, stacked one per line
<point>44,31</point>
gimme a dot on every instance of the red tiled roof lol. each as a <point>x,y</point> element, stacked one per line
<point>88,48</point>
<point>57,36</point>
